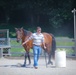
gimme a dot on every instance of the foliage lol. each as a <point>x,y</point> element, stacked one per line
<point>51,15</point>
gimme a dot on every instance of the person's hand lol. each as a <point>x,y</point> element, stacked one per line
<point>23,43</point>
<point>44,47</point>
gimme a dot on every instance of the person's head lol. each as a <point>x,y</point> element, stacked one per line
<point>38,29</point>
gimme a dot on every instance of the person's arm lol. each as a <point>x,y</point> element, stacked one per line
<point>27,40</point>
<point>44,45</point>
<point>43,42</point>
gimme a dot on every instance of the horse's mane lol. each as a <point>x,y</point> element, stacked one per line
<point>26,32</point>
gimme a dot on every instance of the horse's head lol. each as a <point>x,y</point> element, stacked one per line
<point>19,33</point>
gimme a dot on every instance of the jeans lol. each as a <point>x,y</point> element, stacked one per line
<point>37,52</point>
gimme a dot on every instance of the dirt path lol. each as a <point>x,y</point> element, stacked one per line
<point>11,67</point>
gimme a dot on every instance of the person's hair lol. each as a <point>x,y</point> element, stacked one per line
<point>38,28</point>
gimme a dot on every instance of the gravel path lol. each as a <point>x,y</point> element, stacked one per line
<point>11,67</point>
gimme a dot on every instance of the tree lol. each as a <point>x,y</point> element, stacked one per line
<point>50,14</point>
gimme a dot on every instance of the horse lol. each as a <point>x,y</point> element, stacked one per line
<point>50,44</point>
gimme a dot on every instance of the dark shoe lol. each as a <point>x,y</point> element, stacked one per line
<point>36,67</point>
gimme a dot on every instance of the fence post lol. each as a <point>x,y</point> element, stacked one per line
<point>1,52</point>
<point>9,48</point>
<point>74,12</point>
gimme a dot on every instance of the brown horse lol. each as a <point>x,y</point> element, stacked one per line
<point>49,42</point>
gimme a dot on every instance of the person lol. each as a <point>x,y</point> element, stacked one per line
<point>38,39</point>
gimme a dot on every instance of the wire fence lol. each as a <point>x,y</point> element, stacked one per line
<point>66,44</point>
<point>17,49</point>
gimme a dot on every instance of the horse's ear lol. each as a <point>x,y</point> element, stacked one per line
<point>21,27</point>
<point>16,29</point>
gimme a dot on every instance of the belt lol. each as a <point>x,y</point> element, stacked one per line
<point>36,45</point>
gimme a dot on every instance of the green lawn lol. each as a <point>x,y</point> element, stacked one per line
<point>19,48</point>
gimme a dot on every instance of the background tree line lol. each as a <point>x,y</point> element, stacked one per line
<point>54,16</point>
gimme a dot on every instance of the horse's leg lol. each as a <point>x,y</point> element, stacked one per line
<point>49,59</point>
<point>45,58</point>
<point>49,55</point>
<point>48,50</point>
<point>29,58</point>
<point>24,65</point>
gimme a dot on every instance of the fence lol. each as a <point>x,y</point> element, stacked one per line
<point>4,42</point>
<point>67,44</point>
<point>62,43</point>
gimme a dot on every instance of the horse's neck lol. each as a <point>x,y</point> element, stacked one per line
<point>26,36</point>
<point>23,39</point>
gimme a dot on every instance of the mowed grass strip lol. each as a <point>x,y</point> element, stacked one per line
<point>60,41</point>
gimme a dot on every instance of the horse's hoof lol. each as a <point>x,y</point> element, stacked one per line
<point>50,62</point>
<point>23,65</point>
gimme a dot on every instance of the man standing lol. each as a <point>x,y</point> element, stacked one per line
<point>38,39</point>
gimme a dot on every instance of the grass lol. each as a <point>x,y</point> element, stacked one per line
<point>65,41</point>
<point>19,48</point>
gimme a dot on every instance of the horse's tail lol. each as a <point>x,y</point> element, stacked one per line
<point>53,45</point>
